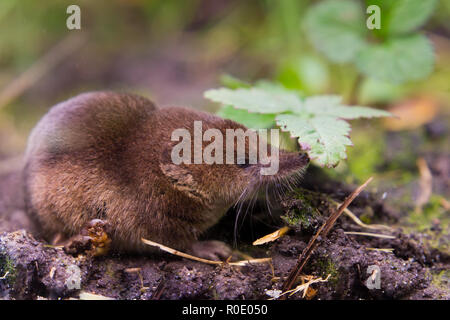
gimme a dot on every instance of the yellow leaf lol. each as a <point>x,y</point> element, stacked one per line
<point>271,237</point>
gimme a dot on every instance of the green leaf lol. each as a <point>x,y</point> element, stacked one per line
<point>232,82</point>
<point>250,120</point>
<point>305,73</point>
<point>331,106</point>
<point>317,121</point>
<point>398,60</point>
<point>407,15</point>
<point>337,28</point>
<point>256,99</point>
<point>323,137</point>
<point>379,92</point>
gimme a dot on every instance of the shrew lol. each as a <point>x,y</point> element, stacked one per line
<point>104,155</point>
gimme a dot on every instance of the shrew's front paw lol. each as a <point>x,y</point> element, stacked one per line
<point>93,240</point>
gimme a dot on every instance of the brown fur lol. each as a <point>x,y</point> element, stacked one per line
<point>104,155</point>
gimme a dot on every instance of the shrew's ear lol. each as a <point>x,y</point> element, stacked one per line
<point>183,181</point>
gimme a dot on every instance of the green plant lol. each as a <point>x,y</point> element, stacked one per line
<point>317,121</point>
<point>393,53</point>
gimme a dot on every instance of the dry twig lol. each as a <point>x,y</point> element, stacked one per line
<point>368,234</point>
<point>188,256</point>
<point>352,216</point>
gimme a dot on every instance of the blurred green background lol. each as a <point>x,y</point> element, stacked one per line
<point>172,51</point>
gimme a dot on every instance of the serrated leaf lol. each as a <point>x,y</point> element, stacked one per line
<point>324,137</point>
<point>256,99</point>
<point>398,60</point>
<point>250,120</point>
<point>336,28</point>
<point>317,121</point>
<point>407,15</point>
<point>331,106</point>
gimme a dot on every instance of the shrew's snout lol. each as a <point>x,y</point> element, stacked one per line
<point>304,158</point>
<point>292,161</point>
<point>301,161</point>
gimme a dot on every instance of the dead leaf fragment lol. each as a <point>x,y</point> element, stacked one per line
<point>411,114</point>
<point>271,236</point>
<point>93,296</point>
<point>426,183</point>
<point>305,287</point>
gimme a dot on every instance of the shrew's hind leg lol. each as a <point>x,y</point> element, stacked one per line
<point>211,250</point>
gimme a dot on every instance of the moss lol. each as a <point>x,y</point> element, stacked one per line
<point>424,222</point>
<point>304,214</point>
<point>438,240</point>
<point>367,216</point>
<point>326,267</point>
<point>297,218</point>
<point>433,210</point>
<point>441,280</point>
<point>7,269</point>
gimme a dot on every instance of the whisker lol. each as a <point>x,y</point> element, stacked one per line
<point>267,200</point>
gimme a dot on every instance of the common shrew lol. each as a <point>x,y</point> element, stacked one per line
<point>104,155</point>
